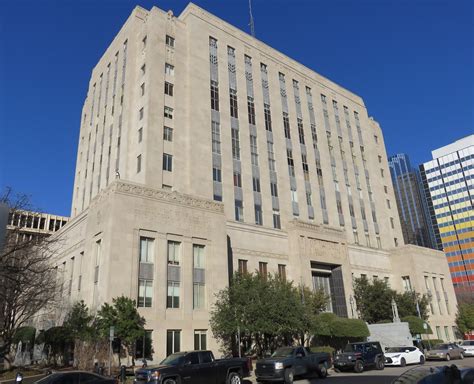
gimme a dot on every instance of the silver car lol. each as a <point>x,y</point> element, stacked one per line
<point>446,352</point>
<point>468,346</point>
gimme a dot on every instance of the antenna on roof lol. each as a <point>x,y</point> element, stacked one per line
<point>252,26</point>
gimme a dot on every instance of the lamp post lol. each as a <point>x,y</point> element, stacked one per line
<point>111,338</point>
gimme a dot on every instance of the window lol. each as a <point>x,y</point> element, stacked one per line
<point>140,114</point>
<point>216,175</point>
<point>199,282</point>
<point>406,283</point>
<point>200,340</point>
<point>395,240</point>
<point>98,251</point>
<point>140,135</point>
<point>262,269</point>
<point>243,266</point>
<point>381,172</point>
<point>294,196</point>
<point>168,134</point>
<point>169,88</point>
<point>214,95</point>
<point>169,69</point>
<point>169,41</point>
<point>388,204</point>
<point>271,156</point>
<point>173,341</point>
<point>282,271</point>
<point>256,184</point>
<point>301,131</point>
<point>234,112</point>
<point>380,158</point>
<point>143,69</point>
<point>216,137</point>
<point>144,43</point>
<point>392,222</point>
<point>286,125</point>
<point>379,242</point>
<point>253,150</point>
<point>258,215</point>
<point>385,188</point>
<point>168,112</point>
<point>146,250</point>
<point>276,219</point>
<point>235,144</point>
<point>291,164</point>
<point>142,89</point>
<point>251,110</point>
<point>172,299</point>
<point>173,252</point>
<point>268,117</point>
<point>143,347</point>
<point>145,293</point>
<point>239,210</point>
<point>167,162</point>
<point>274,189</point>
<point>139,163</point>
<point>376,138</point>
<point>308,198</point>
<point>237,180</point>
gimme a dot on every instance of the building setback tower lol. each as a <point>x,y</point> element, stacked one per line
<point>409,193</point>
<point>450,183</point>
<point>203,151</point>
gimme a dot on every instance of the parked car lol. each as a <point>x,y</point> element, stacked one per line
<point>436,375</point>
<point>445,351</point>
<point>195,367</point>
<point>287,362</point>
<point>358,356</point>
<point>468,346</point>
<point>75,377</point>
<point>403,355</point>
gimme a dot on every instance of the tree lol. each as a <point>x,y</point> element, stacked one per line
<point>417,325</point>
<point>28,283</point>
<point>374,301</point>
<point>80,322</point>
<point>267,311</point>
<point>465,318</point>
<point>124,317</point>
<point>58,342</point>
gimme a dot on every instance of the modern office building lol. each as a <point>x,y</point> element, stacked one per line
<point>28,224</point>
<point>416,227</point>
<point>203,151</point>
<point>449,179</point>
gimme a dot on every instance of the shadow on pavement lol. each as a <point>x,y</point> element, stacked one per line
<point>358,379</point>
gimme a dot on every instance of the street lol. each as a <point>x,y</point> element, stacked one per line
<point>375,377</point>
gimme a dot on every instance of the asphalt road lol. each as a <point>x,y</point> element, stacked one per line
<point>373,376</point>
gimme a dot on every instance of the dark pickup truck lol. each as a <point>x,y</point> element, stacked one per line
<point>195,367</point>
<point>287,362</point>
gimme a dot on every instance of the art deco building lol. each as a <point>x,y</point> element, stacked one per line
<point>203,151</point>
<point>412,203</point>
<point>449,179</point>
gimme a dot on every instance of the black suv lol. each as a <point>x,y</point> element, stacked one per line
<point>358,356</point>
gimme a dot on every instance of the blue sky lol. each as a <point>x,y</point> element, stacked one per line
<point>410,60</point>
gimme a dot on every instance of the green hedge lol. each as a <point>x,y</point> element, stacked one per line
<point>25,335</point>
<point>325,348</point>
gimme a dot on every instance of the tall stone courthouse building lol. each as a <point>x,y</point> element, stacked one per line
<point>203,151</point>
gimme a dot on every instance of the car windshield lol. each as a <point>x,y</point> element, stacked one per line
<point>467,342</point>
<point>441,346</point>
<point>354,348</point>
<point>174,359</point>
<point>48,378</point>
<point>396,349</point>
<point>283,352</point>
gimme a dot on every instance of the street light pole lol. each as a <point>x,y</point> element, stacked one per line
<point>111,338</point>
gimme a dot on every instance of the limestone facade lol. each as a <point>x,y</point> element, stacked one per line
<point>173,194</point>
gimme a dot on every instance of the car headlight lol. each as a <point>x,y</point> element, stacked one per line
<point>278,365</point>
<point>350,357</point>
<point>440,353</point>
<point>337,357</point>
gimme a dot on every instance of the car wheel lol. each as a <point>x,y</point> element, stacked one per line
<point>359,366</point>
<point>170,381</point>
<point>461,355</point>
<point>322,371</point>
<point>289,376</point>
<point>448,357</point>
<point>233,378</point>
<point>380,365</point>
<point>422,360</point>
<point>403,362</point>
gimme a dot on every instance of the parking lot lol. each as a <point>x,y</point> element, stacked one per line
<point>377,377</point>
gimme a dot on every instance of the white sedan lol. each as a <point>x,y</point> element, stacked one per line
<point>468,346</point>
<point>403,356</point>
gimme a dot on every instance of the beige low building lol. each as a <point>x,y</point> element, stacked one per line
<point>203,151</point>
